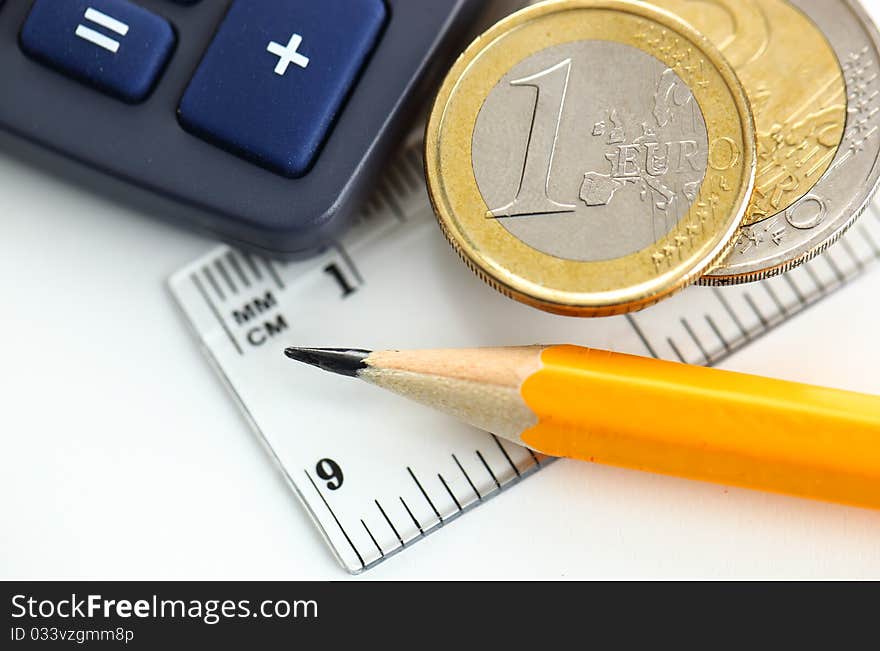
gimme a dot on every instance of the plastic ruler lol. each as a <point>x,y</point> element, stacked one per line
<point>376,473</point>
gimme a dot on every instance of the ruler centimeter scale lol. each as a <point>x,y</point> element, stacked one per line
<point>370,467</point>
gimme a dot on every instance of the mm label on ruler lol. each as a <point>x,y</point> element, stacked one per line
<point>369,466</point>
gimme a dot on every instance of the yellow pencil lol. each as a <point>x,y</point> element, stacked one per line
<point>641,413</point>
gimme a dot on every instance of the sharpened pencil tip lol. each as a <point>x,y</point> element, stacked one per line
<point>342,361</point>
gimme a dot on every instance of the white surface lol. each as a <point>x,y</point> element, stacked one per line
<point>122,455</point>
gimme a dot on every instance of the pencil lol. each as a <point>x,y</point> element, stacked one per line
<point>623,410</point>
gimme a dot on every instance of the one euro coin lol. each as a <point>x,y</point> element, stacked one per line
<point>590,157</point>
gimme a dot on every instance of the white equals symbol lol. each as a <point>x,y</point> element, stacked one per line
<point>102,19</point>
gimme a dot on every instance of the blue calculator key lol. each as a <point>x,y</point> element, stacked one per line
<point>114,45</point>
<point>276,74</point>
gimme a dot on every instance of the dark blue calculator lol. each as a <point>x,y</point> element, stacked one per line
<point>265,122</point>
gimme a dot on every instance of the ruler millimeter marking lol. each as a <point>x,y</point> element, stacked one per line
<point>375,472</point>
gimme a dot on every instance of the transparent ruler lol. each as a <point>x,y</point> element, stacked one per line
<point>375,472</point>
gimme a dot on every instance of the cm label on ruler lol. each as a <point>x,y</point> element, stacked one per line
<point>243,291</point>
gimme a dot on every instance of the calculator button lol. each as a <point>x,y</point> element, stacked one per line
<point>114,45</point>
<point>276,74</point>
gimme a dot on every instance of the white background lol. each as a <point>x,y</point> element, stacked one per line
<point>123,457</point>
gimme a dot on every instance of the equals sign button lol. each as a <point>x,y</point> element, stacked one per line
<point>116,46</point>
<point>99,39</point>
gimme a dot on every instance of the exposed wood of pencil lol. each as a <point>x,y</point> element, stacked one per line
<point>479,386</point>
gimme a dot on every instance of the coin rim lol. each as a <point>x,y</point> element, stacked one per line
<point>641,293</point>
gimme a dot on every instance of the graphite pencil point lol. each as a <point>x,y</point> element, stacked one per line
<point>342,361</point>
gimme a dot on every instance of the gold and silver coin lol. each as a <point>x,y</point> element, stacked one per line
<point>591,157</point>
<point>775,243</point>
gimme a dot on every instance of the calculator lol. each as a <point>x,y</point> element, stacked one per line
<point>265,122</point>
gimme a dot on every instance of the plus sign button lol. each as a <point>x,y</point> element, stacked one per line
<point>276,74</point>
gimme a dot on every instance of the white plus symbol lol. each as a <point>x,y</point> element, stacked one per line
<point>288,54</point>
